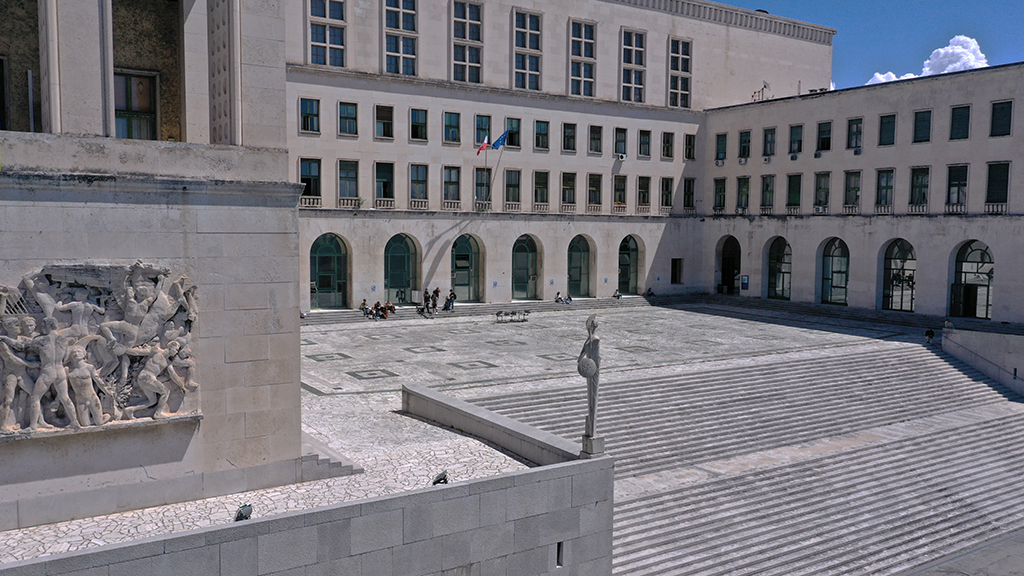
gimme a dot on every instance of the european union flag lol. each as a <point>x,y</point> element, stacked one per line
<point>500,141</point>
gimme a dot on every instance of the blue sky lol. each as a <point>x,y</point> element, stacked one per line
<point>898,36</point>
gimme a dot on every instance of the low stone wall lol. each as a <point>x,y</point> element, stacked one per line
<point>998,356</point>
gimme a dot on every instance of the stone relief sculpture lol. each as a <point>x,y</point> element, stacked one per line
<point>113,343</point>
<point>589,366</point>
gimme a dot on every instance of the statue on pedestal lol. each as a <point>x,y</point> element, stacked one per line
<point>589,366</point>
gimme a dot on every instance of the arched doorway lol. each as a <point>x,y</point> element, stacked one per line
<point>466,264</point>
<point>328,273</point>
<point>971,294</point>
<point>835,272</point>
<point>400,270</point>
<point>898,276</point>
<point>579,267</point>
<point>629,264</point>
<point>524,268</point>
<point>780,267</point>
<point>730,267</point>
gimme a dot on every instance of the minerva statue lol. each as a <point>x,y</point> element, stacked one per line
<point>589,366</point>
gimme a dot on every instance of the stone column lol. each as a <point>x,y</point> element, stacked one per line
<point>195,68</point>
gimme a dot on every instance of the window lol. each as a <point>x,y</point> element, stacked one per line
<point>348,178</point>
<point>1002,116</point>
<point>540,187</point>
<point>960,123</point>
<point>569,137</point>
<point>452,127</point>
<point>644,148</point>
<point>385,180</point>
<point>418,182</point>
<point>666,192</point>
<point>309,176</point>
<point>347,119</point>
<point>822,184</point>
<point>922,126</point>
<point>620,140</point>
<point>468,42</point>
<point>835,271</point>
<point>689,190</point>
<point>418,124</point>
<point>768,190</point>
<point>769,142</point>
<point>796,139</point>
<point>744,151</point>
<point>668,144</point>
<point>582,59</point>
<point>309,111</point>
<point>452,183</point>
<point>677,270</point>
<point>527,51</point>
<point>633,65</point>
<point>854,133</point>
<point>678,73</point>
<point>134,107</point>
<point>883,188</point>
<point>568,188</point>
<point>919,186</point>
<point>851,188</point>
<point>824,136</point>
<point>618,190</point>
<point>483,128</point>
<point>956,190</point>
<point>887,130</point>
<point>998,183</point>
<point>690,147</point>
<point>385,121</point>
<point>327,33</point>
<point>719,193</point>
<point>400,37</point>
<point>721,144</point>
<point>643,191</point>
<point>540,134</point>
<point>742,193</point>
<point>512,178</point>
<point>594,146</point>
<point>793,182</point>
<point>514,138</point>
<point>483,184</point>
<point>594,189</point>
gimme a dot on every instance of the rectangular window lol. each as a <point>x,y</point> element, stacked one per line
<point>540,134</point>
<point>768,190</point>
<point>634,64</point>
<point>883,188</point>
<point>796,139</point>
<point>582,59</point>
<point>568,188</point>
<point>666,192</point>
<point>620,140</point>
<point>643,191</point>
<point>689,191</point>
<point>385,121</point>
<point>793,182</point>
<point>347,119</point>
<point>594,146</point>
<point>514,138</point>
<point>922,126</point>
<point>677,270</point>
<point>721,146</point>
<point>594,189</point>
<point>618,189</point>
<point>452,127</point>
<point>690,147</point>
<point>824,136</point>
<point>854,133</point>
<point>851,188</point>
<point>348,178</point>
<point>483,128</point>
<point>956,191</point>
<point>719,193</point>
<point>887,130</point>
<point>768,148</point>
<point>526,32</point>
<point>678,73</point>
<point>483,185</point>
<point>418,124</point>
<point>418,182</point>
<point>385,179</point>
<point>1002,117</point>
<point>309,176</point>
<point>918,186</point>
<point>744,151</point>
<point>468,42</point>
<point>998,183</point>
<point>327,33</point>
<point>400,37</point>
<point>569,137</point>
<point>743,192</point>
<point>960,123</point>
<point>512,178</point>
<point>134,107</point>
<point>822,186</point>
<point>540,187</point>
<point>452,183</point>
<point>668,144</point>
<point>644,141</point>
<point>310,114</point>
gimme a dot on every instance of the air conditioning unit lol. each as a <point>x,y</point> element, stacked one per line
<point>820,209</point>
<point>793,156</point>
<point>719,162</point>
<point>767,160</point>
<point>622,157</point>
<point>743,161</point>
<point>817,154</point>
<point>856,151</point>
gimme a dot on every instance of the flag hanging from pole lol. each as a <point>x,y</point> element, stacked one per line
<point>482,146</point>
<point>501,140</point>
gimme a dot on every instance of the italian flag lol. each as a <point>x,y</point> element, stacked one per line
<point>482,146</point>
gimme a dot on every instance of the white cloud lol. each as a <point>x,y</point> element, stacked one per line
<point>962,53</point>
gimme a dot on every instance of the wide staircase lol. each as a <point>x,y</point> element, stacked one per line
<point>865,459</point>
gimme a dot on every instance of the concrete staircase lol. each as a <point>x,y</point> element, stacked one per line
<point>319,461</point>
<point>933,456</point>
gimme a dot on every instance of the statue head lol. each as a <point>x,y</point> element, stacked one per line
<point>143,291</point>
<point>49,324</point>
<point>77,353</point>
<point>29,324</point>
<point>12,325</point>
<point>592,324</point>
<point>173,347</point>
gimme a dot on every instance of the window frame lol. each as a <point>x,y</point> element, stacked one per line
<point>419,130</point>
<point>679,84</point>
<point>633,75</point>
<point>960,128</point>
<point>582,73</point>
<point>310,180</point>
<point>769,141</point>
<point>643,143</point>
<point>961,185</point>
<point>541,140</point>
<point>886,130</point>
<point>569,137</point>
<point>384,129</point>
<point>668,145</point>
<point>884,192</point>
<point>922,127</point>
<point>999,131</point>
<point>595,139</point>
<point>531,57</point>
<point>330,51</point>
<point>824,138</point>
<point>352,120</point>
<point>744,144</point>
<point>309,122</point>
<point>419,184</point>
<point>451,132</point>
<point>514,128</point>
<point>344,171</point>
<point>448,184</point>
<point>991,183</point>
<point>467,43</point>
<point>918,191</point>
<point>854,137</point>
<point>796,138</point>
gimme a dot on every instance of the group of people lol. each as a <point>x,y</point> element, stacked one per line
<point>560,300</point>
<point>430,300</point>
<point>378,311</point>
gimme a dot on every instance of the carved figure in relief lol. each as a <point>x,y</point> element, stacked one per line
<point>158,361</point>
<point>82,376</point>
<point>40,293</point>
<point>52,347</point>
<point>81,311</point>
<point>15,373</point>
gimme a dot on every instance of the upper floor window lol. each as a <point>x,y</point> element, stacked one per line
<point>887,130</point>
<point>690,147</point>
<point>1002,117</point>
<point>569,137</point>
<point>998,183</point>
<point>960,123</point>
<point>452,127</point>
<point>689,191</point>
<point>400,37</point>
<point>527,51</point>
<point>418,124</point>
<point>467,35</point>
<point>923,126</point>
<point>582,59</point>
<point>134,106</point>
<point>769,142</point>
<point>327,32</point>
<point>796,139</point>
<point>347,123</point>
<point>309,175</point>
<point>644,141</point>
<point>483,128</point>
<point>418,181</point>
<point>385,116</point>
<point>309,114</point>
<point>668,144</point>
<point>883,188</point>
<point>824,136</point>
<point>956,185</point>
<point>634,65</point>
<point>540,134</point>
<point>919,186</point>
<point>721,145</point>
<point>719,193</point>
<point>513,138</point>
<point>744,151</point>
<point>595,140</point>
<point>854,133</point>
<point>678,73</point>
<point>620,140</point>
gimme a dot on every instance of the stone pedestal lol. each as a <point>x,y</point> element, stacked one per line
<point>592,446</point>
